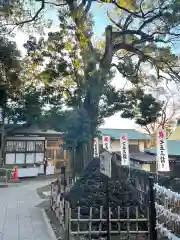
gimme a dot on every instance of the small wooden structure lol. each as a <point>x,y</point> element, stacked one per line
<point>27,146</point>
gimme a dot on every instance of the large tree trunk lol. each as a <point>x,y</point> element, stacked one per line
<point>84,154</point>
<point>95,84</point>
<point>79,159</point>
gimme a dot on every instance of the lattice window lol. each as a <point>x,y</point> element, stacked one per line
<point>39,146</point>
<point>30,146</point>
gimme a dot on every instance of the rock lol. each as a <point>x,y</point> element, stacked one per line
<point>89,191</point>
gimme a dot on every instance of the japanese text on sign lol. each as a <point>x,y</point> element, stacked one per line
<point>124,150</point>
<point>106,143</point>
<point>162,155</point>
<point>162,152</point>
<point>96,147</point>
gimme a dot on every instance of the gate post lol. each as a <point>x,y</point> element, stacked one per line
<point>3,177</point>
<point>152,210</point>
<point>67,221</point>
<point>108,208</point>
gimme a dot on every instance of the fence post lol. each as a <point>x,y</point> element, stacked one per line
<point>3,176</point>
<point>63,172</point>
<point>152,210</point>
<point>67,219</point>
<point>107,206</point>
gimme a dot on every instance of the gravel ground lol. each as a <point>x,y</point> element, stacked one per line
<point>43,189</point>
<point>58,230</point>
<point>51,216</point>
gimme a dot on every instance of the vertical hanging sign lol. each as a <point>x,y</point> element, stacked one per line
<point>162,152</point>
<point>124,150</point>
<point>106,143</point>
<point>96,147</point>
<point>105,164</point>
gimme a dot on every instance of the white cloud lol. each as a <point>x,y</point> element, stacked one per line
<point>117,122</point>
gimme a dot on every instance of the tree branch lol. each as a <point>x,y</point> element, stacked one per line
<point>107,58</point>
<point>35,16</point>
<point>130,48</point>
<point>150,20</point>
<point>56,4</point>
<point>135,14</point>
<point>116,24</point>
<point>145,36</point>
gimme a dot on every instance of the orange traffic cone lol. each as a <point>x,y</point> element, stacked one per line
<point>15,177</point>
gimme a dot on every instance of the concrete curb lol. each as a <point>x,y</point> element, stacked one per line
<point>48,224</point>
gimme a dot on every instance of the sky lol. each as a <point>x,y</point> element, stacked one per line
<point>101,21</point>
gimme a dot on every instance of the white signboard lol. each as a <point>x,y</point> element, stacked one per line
<point>106,143</point>
<point>96,147</point>
<point>125,160</point>
<point>162,152</point>
<point>105,164</point>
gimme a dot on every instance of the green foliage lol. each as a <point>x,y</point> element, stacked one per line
<point>133,104</point>
<point>77,74</point>
<point>141,107</point>
<point>80,86</point>
<point>33,105</point>
<point>25,108</point>
<point>10,67</point>
<point>9,64</point>
<point>76,128</point>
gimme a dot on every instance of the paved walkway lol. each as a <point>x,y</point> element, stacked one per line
<point>20,219</point>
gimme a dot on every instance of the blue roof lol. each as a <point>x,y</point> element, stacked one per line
<point>173,148</point>
<point>131,133</point>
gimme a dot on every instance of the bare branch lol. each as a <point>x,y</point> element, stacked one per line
<point>88,6</point>
<point>135,14</point>
<point>56,4</point>
<point>150,20</point>
<point>116,24</point>
<point>130,48</point>
<point>146,36</point>
<point>35,16</point>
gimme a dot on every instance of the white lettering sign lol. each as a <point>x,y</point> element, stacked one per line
<point>106,143</point>
<point>124,150</point>
<point>162,152</point>
<point>96,147</point>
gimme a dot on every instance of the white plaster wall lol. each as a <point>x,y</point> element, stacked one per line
<point>141,146</point>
